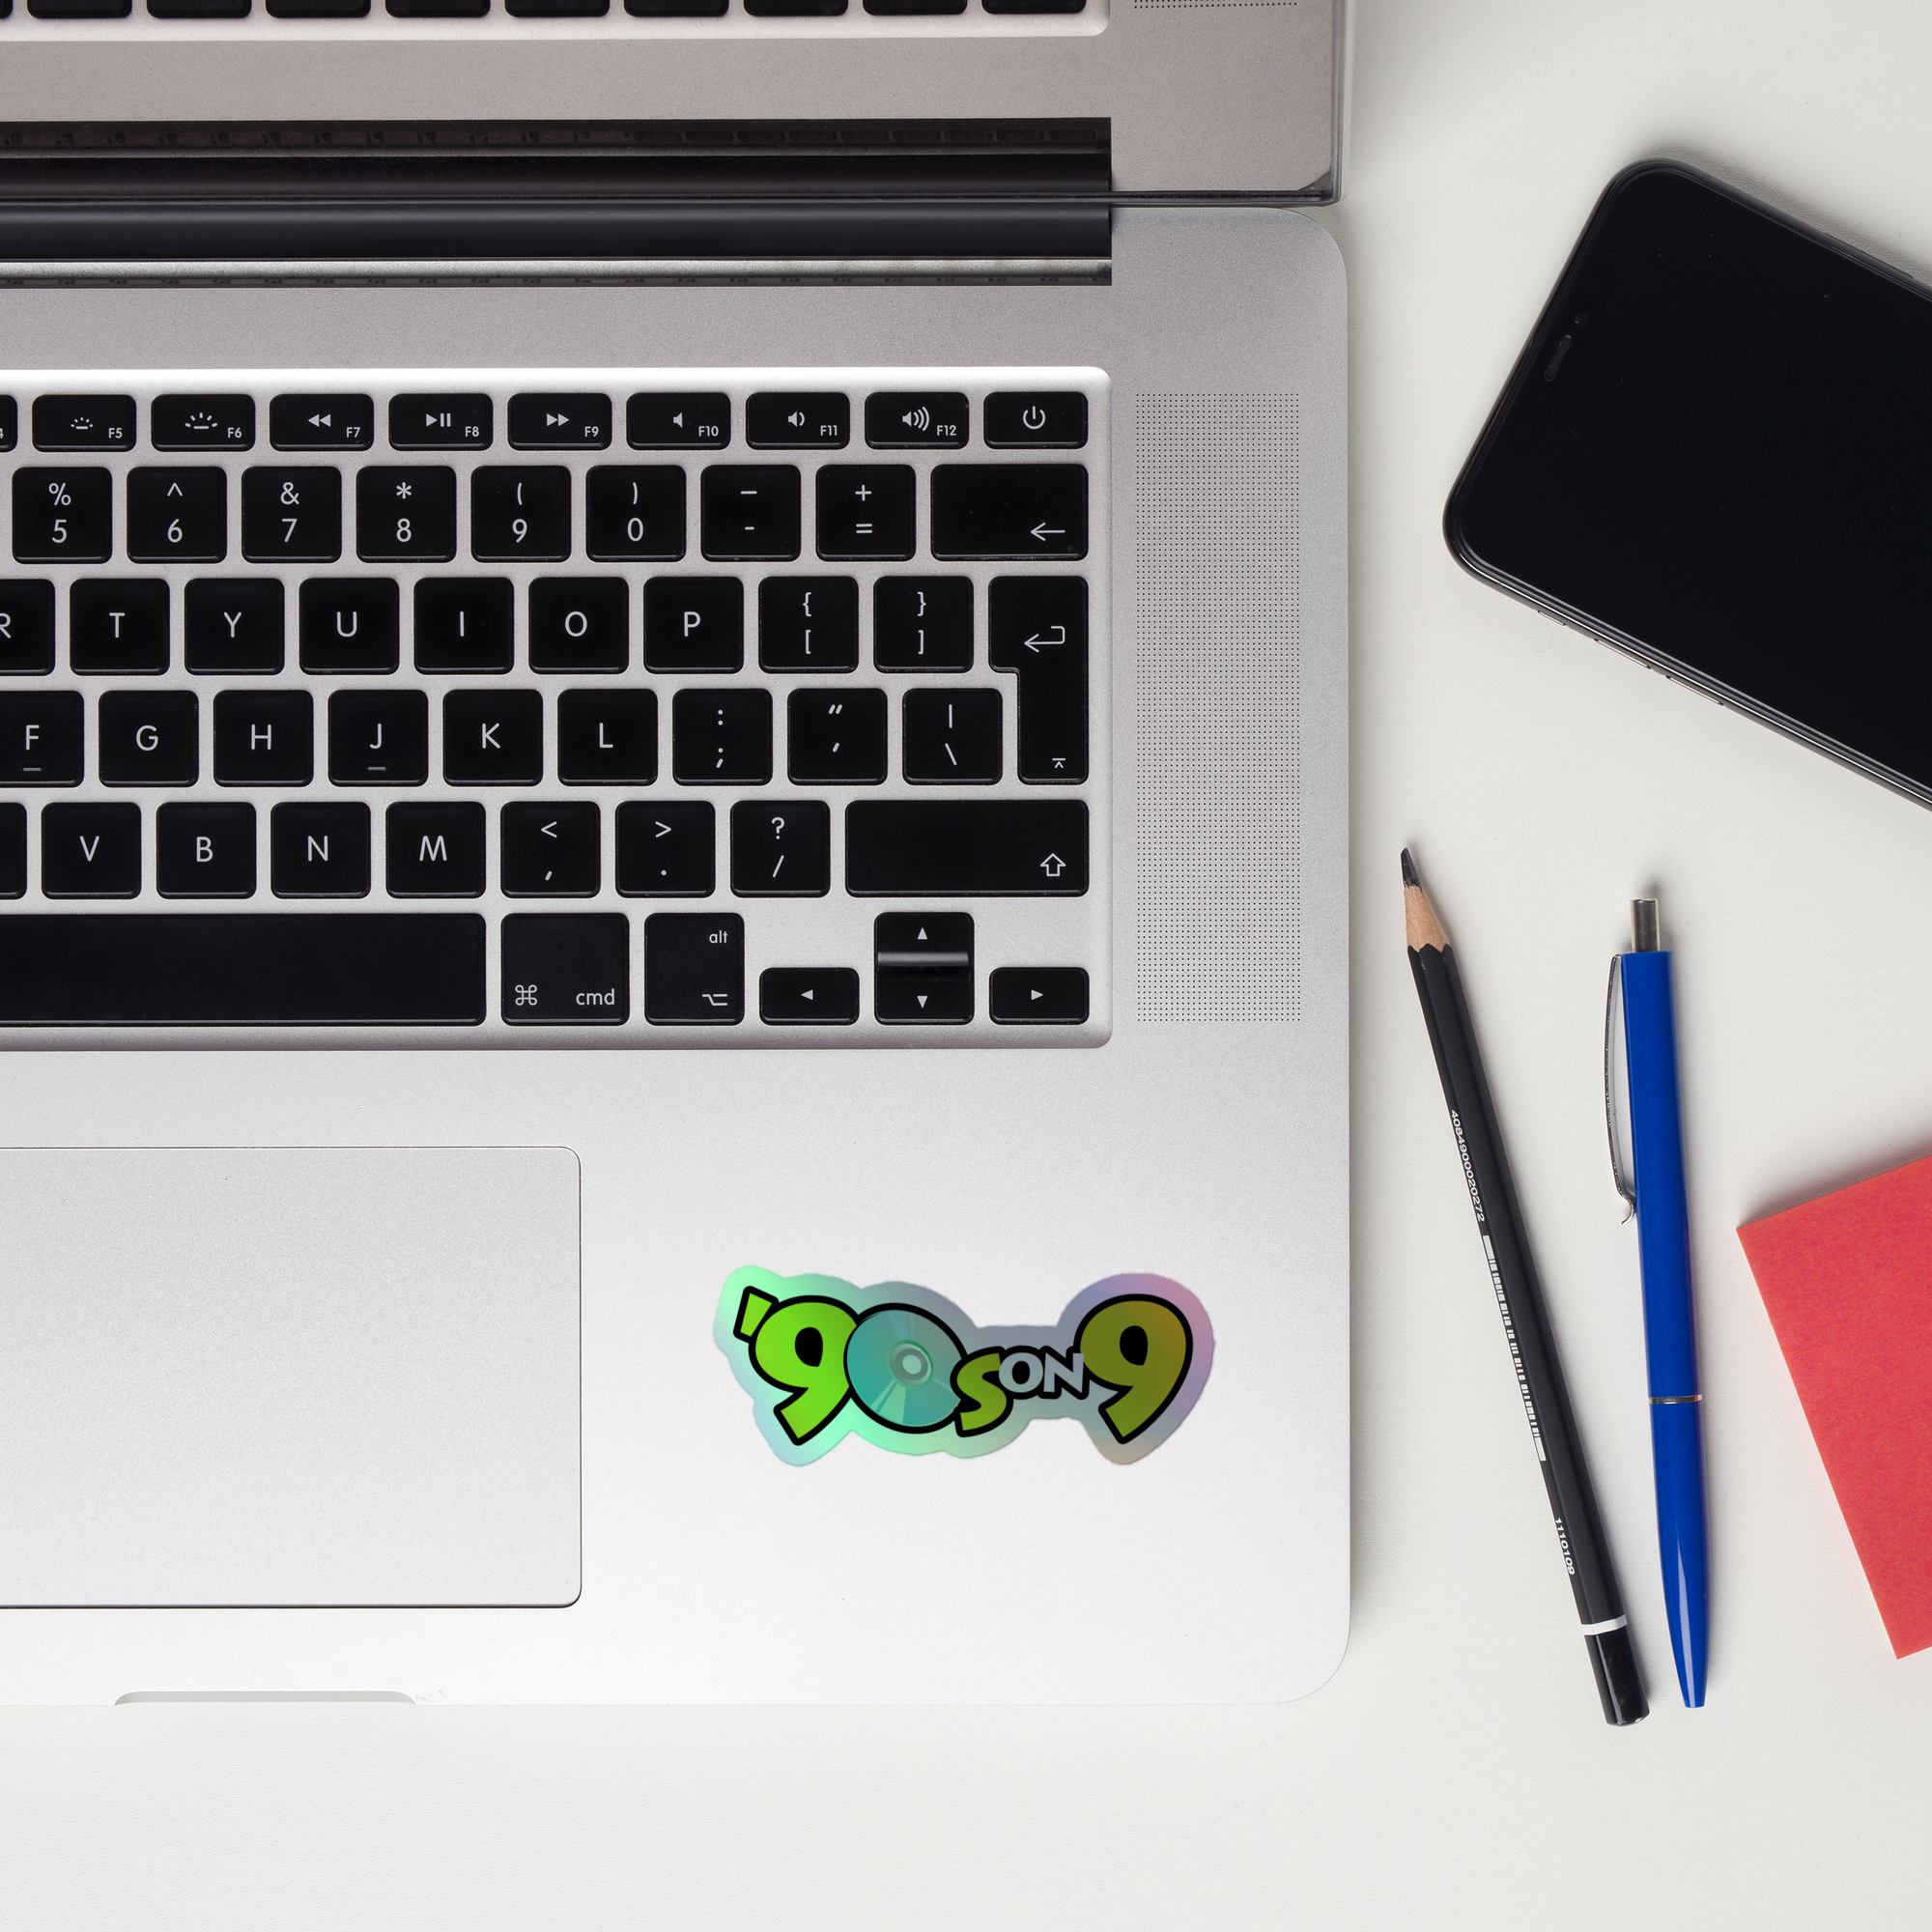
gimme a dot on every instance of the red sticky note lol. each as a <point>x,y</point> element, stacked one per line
<point>1847,1281</point>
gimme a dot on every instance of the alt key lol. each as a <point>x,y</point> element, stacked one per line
<point>808,996</point>
<point>1038,996</point>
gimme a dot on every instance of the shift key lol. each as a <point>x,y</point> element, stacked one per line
<point>966,848</point>
<point>1009,510</point>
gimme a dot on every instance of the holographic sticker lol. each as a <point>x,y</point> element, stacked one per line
<point>906,1369</point>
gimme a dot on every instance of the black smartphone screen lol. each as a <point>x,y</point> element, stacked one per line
<point>1717,452</point>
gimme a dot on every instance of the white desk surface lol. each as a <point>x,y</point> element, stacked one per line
<point>1456,1772</point>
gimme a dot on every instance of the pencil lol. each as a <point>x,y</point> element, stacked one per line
<point>1539,1374</point>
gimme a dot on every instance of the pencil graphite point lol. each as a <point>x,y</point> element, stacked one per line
<point>1424,929</point>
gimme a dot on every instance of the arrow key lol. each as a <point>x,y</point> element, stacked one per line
<point>1038,996</point>
<point>808,996</point>
<point>550,851</point>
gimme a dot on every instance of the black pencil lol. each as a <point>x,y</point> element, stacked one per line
<point>1539,1375</point>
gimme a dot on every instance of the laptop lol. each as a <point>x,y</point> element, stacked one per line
<point>674,966</point>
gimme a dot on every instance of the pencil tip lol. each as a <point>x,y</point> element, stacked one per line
<point>1408,877</point>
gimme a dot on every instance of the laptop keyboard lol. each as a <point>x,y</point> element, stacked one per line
<point>621,708</point>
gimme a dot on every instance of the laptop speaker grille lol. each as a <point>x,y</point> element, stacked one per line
<point>1217,702</point>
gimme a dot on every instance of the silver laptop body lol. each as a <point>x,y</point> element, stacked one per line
<point>920,1275</point>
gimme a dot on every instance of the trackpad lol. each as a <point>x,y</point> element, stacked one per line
<point>317,1375</point>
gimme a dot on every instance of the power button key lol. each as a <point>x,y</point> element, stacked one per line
<point>1035,419</point>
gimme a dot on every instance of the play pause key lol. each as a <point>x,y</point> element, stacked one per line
<point>808,996</point>
<point>1038,996</point>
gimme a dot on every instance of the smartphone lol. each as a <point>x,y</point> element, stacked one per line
<point>1715,453</point>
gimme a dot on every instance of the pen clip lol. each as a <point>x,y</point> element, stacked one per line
<point>1625,1191</point>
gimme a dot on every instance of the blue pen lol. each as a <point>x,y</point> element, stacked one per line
<point>1670,1329</point>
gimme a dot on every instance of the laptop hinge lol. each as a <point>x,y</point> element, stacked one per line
<point>603,201</point>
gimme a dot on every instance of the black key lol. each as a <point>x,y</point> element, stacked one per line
<point>1038,996</point>
<point>241,969</point>
<point>177,516</point>
<point>199,10</point>
<point>440,422</point>
<point>559,421</point>
<point>782,848</point>
<point>438,10</point>
<point>980,847</point>
<point>292,515</point>
<point>318,10</point>
<point>749,511</point>
<point>27,627</point>
<point>318,851</point>
<point>634,511</point>
<point>579,623</point>
<point>915,6</point>
<point>321,422</point>
<point>348,624</point>
<point>924,420</point>
<point>866,511</point>
<point>686,419</point>
<point>263,737</point>
<point>568,969</point>
<point>836,737</point>
<point>118,624</point>
<point>808,996</point>
<point>405,514</point>
<point>722,737</point>
<point>150,737</point>
<point>84,422</point>
<point>12,851</point>
<point>922,968</point>
<point>1010,509</point>
<point>41,738</point>
<point>435,851</point>
<point>808,623</point>
<point>62,516</point>
<point>801,420</point>
<point>465,624</point>
<point>551,851</point>
<point>1037,626</point>
<point>675,9</point>
<point>693,968</point>
<point>233,624</point>
<point>789,8</point>
<point>492,737</point>
<point>667,851</point>
<point>205,851</point>
<point>952,737</point>
<point>1035,7</point>
<point>91,851</point>
<point>79,10</point>
<point>923,623</point>
<point>1034,419</point>
<point>519,513</point>
<point>378,737</point>
<point>693,623</point>
<point>607,737</point>
<point>10,422</point>
<point>201,422</point>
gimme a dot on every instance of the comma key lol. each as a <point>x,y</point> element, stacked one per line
<point>566,969</point>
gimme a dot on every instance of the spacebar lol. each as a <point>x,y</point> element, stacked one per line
<point>241,969</point>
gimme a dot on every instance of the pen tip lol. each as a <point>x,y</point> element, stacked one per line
<point>1408,877</point>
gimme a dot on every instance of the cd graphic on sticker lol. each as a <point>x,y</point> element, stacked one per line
<point>899,1363</point>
